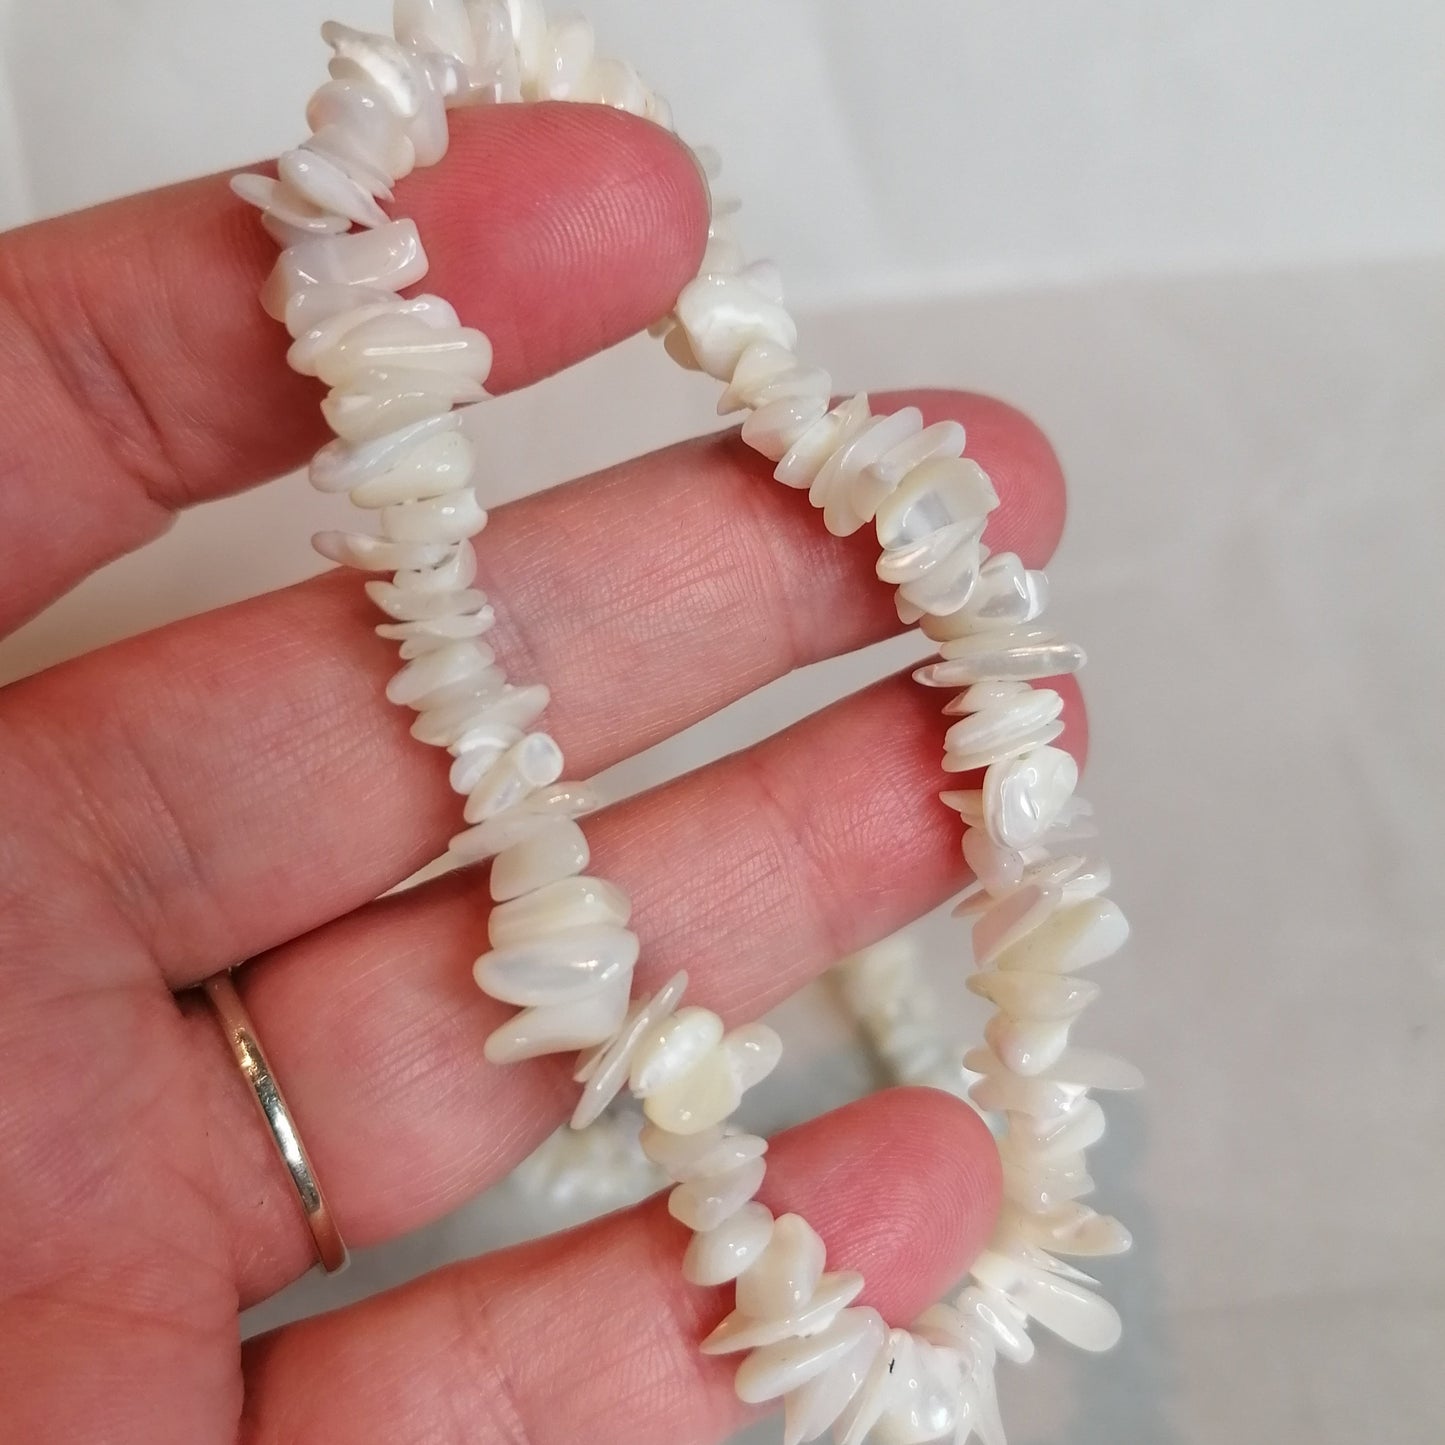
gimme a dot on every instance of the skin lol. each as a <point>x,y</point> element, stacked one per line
<point>234,787</point>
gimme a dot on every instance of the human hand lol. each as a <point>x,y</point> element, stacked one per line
<point>234,786</point>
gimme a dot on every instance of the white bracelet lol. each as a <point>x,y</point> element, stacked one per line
<point>561,950</point>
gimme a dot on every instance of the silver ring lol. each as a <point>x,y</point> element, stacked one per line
<point>241,1033</point>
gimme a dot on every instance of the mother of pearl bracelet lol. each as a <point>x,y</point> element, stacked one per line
<point>561,951</point>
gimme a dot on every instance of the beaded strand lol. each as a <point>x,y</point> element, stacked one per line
<point>400,370</point>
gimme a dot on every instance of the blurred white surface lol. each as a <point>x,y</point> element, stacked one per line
<point>1205,247</point>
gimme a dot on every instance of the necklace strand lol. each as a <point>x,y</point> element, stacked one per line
<point>400,372</point>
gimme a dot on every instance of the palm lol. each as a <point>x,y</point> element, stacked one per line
<point>234,786</point>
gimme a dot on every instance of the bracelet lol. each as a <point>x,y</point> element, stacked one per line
<point>400,371</point>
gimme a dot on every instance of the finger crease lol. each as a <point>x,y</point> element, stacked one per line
<point>486,1344</point>
<point>774,565</point>
<point>796,843</point>
<point>101,388</point>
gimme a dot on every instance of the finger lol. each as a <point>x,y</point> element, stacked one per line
<point>593,1335</point>
<point>141,375</point>
<point>754,874</point>
<point>245,779</point>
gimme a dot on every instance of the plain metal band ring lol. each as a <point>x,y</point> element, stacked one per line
<point>241,1034</point>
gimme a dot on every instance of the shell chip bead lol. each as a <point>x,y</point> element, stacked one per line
<point>811,446</point>
<point>719,1255</point>
<point>766,372</point>
<point>1020,654</point>
<point>742,1331</point>
<point>473,715</point>
<point>442,25</point>
<point>354,125</point>
<point>1060,1304</point>
<point>870,1394</point>
<point>319,348</point>
<point>1003,725</point>
<point>551,853</point>
<point>401,337</point>
<point>1011,918</point>
<point>452,662</point>
<point>1043,1144</point>
<point>1007,595</point>
<point>708,1090</point>
<point>673,1049</point>
<point>1023,796</point>
<point>434,467</point>
<point>1073,1229</point>
<point>937,493</point>
<point>581,1023</point>
<point>377,554</point>
<point>341,466</point>
<point>776,1369</point>
<point>290,216</point>
<point>705,1202</point>
<point>939,440</point>
<point>1006,1325</point>
<point>1043,996</point>
<point>523,819</point>
<point>729,1152</point>
<point>386,258</point>
<point>570,902</point>
<point>721,316</point>
<point>324,184</point>
<point>413,81</point>
<point>925,1392</point>
<point>786,1275</point>
<point>381,399</point>
<point>1027,1046</point>
<point>560,967</point>
<point>779,427</point>
<point>1075,937</point>
<point>848,500</point>
<point>810,1408</point>
<point>531,763</point>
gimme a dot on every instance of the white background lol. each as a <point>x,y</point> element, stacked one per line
<point>1203,245</point>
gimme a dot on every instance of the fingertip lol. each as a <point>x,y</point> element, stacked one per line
<point>593,1333</point>
<point>594,218</point>
<point>1016,453</point>
<point>903,1186</point>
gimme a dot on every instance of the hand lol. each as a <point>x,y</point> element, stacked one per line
<point>234,786</point>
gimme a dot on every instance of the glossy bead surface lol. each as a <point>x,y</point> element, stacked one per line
<point>1023,796</point>
<point>388,258</point>
<point>567,903</point>
<point>813,1406</point>
<point>742,1331</point>
<point>561,1028</point>
<point>1020,655</point>
<point>775,1369</point>
<point>723,315</point>
<point>555,851</point>
<point>787,1273</point>
<point>719,1255</point>
<point>1072,938</point>
<point>531,763</point>
<point>935,494</point>
<point>704,1096</point>
<point>706,1202</point>
<point>604,1072</point>
<point>559,967</point>
<point>673,1049</point>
